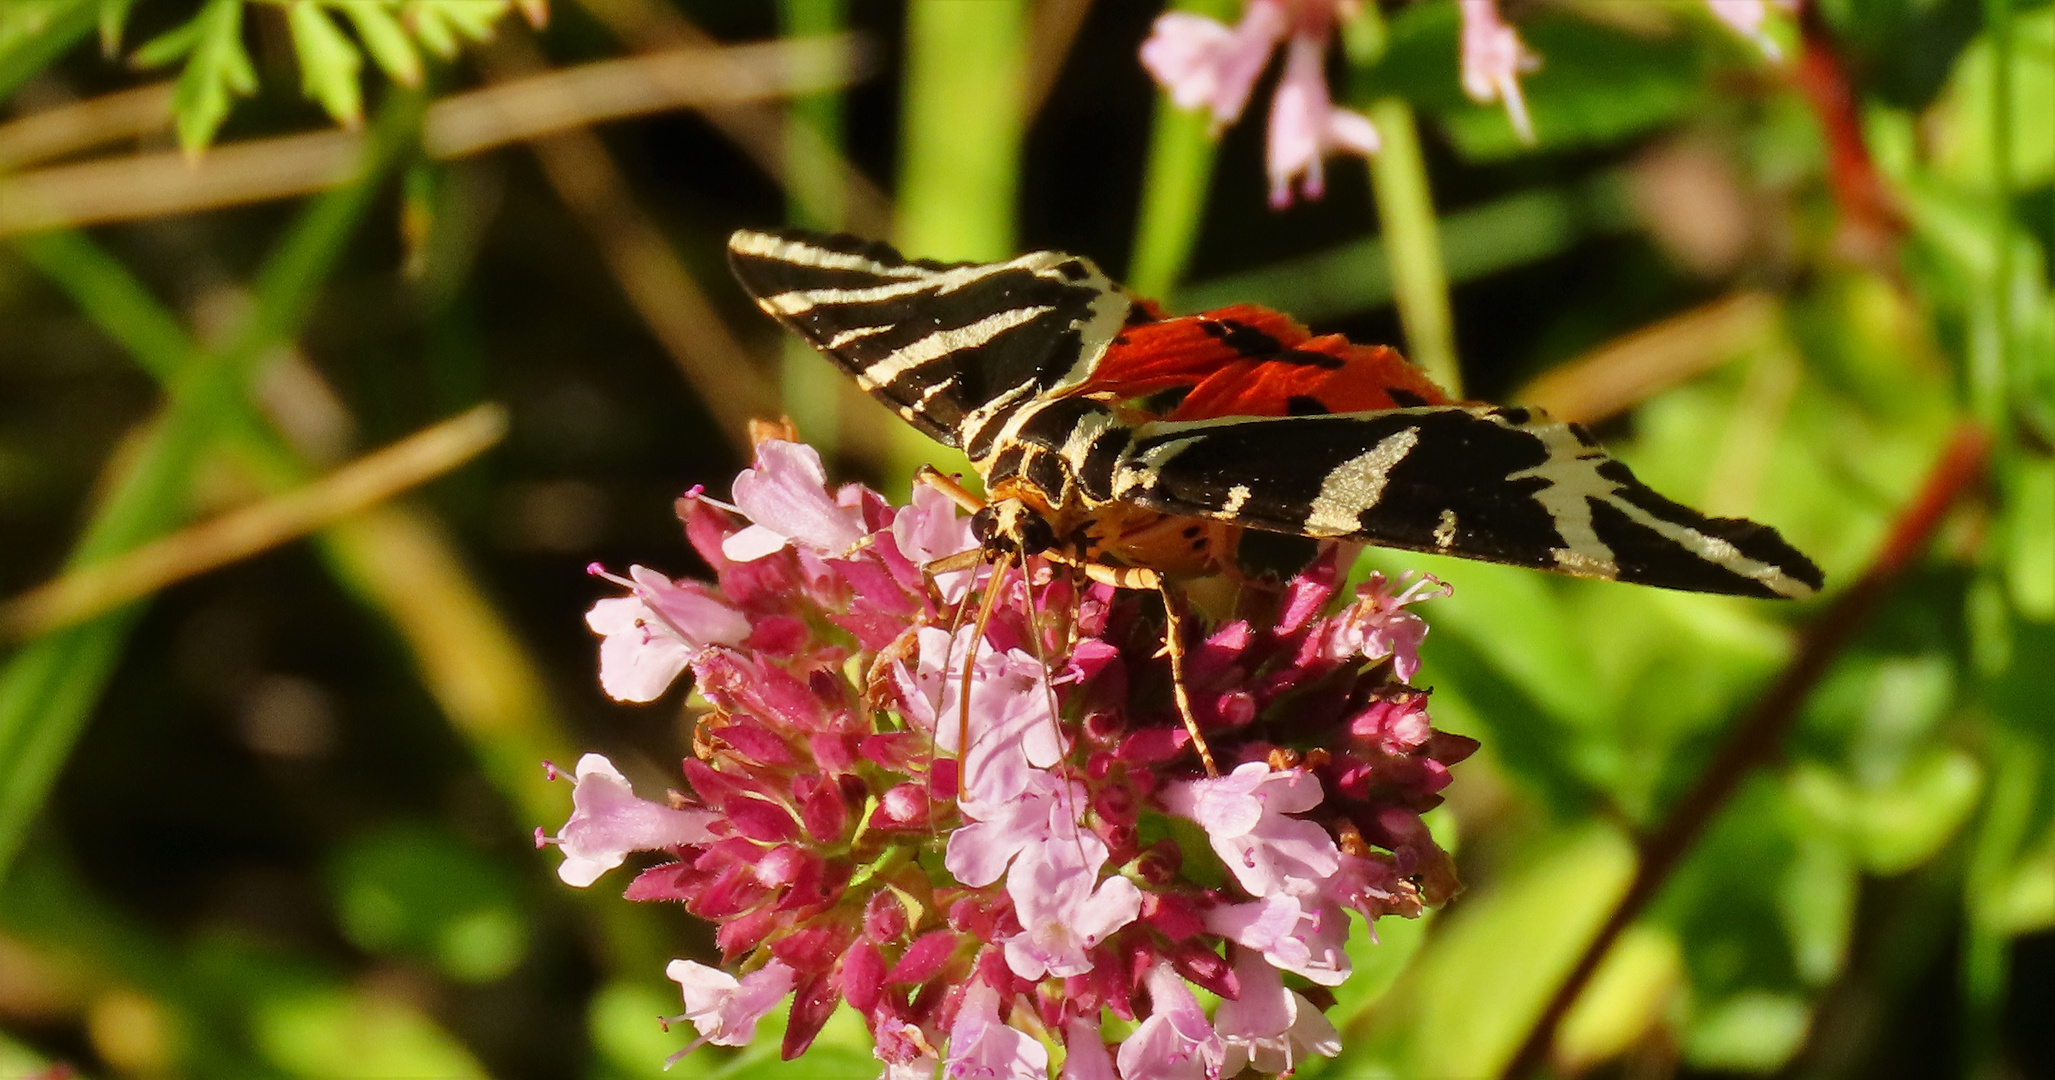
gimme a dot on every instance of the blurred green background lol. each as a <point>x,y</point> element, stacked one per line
<point>265,802</point>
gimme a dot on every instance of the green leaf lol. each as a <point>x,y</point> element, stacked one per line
<point>2030,538</point>
<point>1895,826</point>
<point>1961,120</point>
<point>34,33</point>
<point>1816,899</point>
<point>1627,996</point>
<point>113,16</point>
<point>328,62</point>
<point>416,891</point>
<point>442,25</point>
<point>217,71</point>
<point>387,42</point>
<point>170,45</point>
<point>1496,961</point>
<point>346,1035</point>
<point>622,1022</point>
<point>1753,1032</point>
<point>1596,86</point>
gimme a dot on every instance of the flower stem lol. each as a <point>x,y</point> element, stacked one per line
<point>1990,364</point>
<point>1405,210</point>
<point>959,163</point>
<point>810,389</point>
<point>1174,187</point>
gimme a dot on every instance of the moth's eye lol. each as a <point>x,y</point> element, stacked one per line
<point>985,525</point>
<point>1035,534</point>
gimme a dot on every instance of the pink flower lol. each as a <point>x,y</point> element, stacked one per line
<point>1379,626</point>
<point>929,528</point>
<point>975,927</point>
<point>787,497</point>
<point>1493,61</point>
<point>1747,18</point>
<point>725,1009</point>
<point>978,853</point>
<point>982,1045</point>
<point>1085,1053</point>
<point>649,636</point>
<point>1176,1042</point>
<point>1305,126</point>
<point>608,821</point>
<point>1269,1027</point>
<point>1292,933</point>
<point>1012,731</point>
<point>1063,907</point>
<point>1204,64</point>
<point>1245,815</point>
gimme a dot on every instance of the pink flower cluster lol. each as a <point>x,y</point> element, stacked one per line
<point>1206,64</point>
<point>1016,904</point>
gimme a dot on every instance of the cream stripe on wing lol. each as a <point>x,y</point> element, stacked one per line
<point>1356,485</point>
<point>943,342</point>
<point>779,249</point>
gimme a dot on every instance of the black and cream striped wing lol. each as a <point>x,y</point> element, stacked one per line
<point>1500,485</point>
<point>953,348</point>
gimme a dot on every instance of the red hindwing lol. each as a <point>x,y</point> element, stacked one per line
<point>1250,361</point>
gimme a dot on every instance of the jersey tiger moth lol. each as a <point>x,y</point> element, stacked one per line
<point>1109,434</point>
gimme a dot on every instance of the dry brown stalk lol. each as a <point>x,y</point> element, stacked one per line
<point>676,310</point>
<point>239,534</point>
<point>758,130</point>
<point>154,185</point>
<point>1631,369</point>
<point>55,133</point>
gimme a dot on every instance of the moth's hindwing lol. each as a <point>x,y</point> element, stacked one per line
<point>953,348</point>
<point>1501,485</point>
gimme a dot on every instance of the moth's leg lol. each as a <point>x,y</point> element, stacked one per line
<point>958,494</point>
<point>1141,578</point>
<point>970,664</point>
<point>967,559</point>
<point>1173,641</point>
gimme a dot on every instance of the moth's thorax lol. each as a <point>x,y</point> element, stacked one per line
<point>1021,520</point>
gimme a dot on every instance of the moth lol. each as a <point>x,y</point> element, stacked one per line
<point>1041,369</point>
<point>1114,438</point>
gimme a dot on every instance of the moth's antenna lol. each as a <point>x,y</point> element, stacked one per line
<point>1049,689</point>
<point>1000,566</point>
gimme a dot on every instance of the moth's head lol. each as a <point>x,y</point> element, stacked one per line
<point>1009,526</point>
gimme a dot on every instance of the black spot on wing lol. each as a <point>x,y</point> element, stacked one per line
<point>1305,405</point>
<point>1405,399</point>
<point>1307,358</point>
<point>1241,337</point>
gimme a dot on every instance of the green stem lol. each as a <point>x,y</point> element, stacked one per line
<point>1405,211</point>
<point>1174,186</point>
<point>2008,814</point>
<point>811,389</point>
<point>961,130</point>
<point>1991,365</point>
